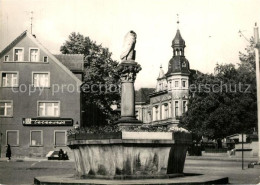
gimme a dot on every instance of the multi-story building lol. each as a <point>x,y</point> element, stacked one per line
<point>169,100</point>
<point>39,97</point>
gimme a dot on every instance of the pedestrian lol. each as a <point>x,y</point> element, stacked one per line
<point>61,153</point>
<point>8,152</point>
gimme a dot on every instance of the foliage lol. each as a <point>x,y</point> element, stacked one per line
<point>223,103</point>
<point>115,128</point>
<point>100,76</point>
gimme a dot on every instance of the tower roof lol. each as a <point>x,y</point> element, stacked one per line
<point>178,40</point>
<point>178,64</point>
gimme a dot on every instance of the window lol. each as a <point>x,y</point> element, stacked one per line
<point>60,138</point>
<point>183,83</point>
<point>9,79</point>
<point>45,59</point>
<point>41,79</point>
<point>166,111</point>
<point>48,109</point>
<point>170,109</point>
<point>155,113</point>
<point>184,64</point>
<point>36,138</point>
<point>176,84</point>
<point>6,108</point>
<point>184,106</point>
<point>176,108</point>
<point>12,137</point>
<point>18,54</point>
<point>34,55</point>
<point>6,58</point>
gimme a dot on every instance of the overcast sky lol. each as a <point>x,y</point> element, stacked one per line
<point>209,28</point>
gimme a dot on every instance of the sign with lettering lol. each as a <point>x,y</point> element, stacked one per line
<point>47,121</point>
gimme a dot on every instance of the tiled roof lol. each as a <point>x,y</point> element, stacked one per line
<point>142,95</point>
<point>74,62</point>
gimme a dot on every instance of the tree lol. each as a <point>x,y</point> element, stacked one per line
<point>223,103</point>
<point>101,80</point>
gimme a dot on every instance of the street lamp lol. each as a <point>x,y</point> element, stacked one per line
<point>257,46</point>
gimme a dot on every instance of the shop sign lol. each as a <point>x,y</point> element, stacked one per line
<point>47,121</point>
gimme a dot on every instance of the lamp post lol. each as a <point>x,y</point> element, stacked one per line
<point>257,45</point>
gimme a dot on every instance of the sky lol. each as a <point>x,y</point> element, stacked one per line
<point>209,27</point>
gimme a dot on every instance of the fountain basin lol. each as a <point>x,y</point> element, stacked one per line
<point>129,155</point>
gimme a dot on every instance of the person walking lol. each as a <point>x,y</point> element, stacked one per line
<point>8,152</point>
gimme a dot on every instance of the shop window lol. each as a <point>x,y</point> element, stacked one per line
<point>36,138</point>
<point>49,109</point>
<point>6,108</point>
<point>60,138</point>
<point>12,137</point>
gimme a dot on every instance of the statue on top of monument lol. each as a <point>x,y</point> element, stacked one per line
<point>128,52</point>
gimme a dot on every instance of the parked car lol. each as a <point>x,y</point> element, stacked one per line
<point>57,155</point>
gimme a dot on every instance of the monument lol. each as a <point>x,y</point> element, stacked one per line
<point>133,154</point>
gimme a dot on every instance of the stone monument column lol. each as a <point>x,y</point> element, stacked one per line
<point>127,70</point>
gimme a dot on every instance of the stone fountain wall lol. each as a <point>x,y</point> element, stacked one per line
<point>130,158</point>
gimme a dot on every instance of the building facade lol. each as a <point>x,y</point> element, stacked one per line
<point>169,100</point>
<point>39,97</point>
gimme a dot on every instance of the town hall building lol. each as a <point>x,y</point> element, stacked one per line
<point>165,104</point>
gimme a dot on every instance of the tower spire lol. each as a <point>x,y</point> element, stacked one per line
<point>178,22</point>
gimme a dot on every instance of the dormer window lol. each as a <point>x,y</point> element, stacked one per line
<point>34,55</point>
<point>18,54</point>
<point>183,64</point>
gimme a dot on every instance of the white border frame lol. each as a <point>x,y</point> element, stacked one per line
<point>14,53</point>
<point>18,134</point>
<point>41,72</point>
<point>54,141</point>
<point>31,138</point>
<point>48,101</point>
<point>1,78</point>
<point>11,101</point>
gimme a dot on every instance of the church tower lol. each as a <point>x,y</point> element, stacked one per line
<point>177,77</point>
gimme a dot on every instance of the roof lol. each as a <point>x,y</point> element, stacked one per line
<point>178,64</point>
<point>15,41</point>
<point>75,62</point>
<point>142,95</point>
<point>178,40</point>
<point>33,39</point>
